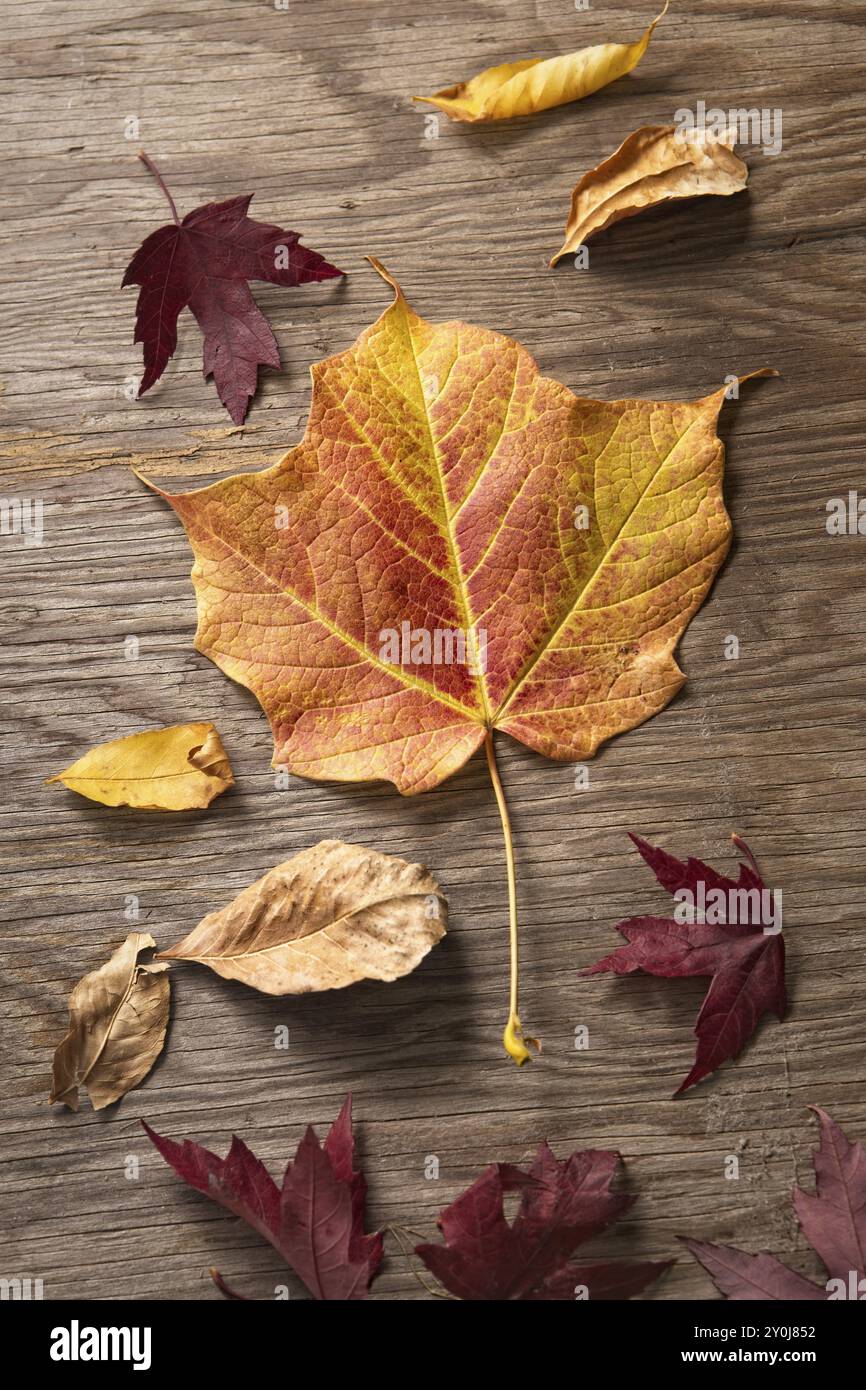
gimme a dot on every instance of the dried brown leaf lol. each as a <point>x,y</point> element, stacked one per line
<point>331,916</point>
<point>655,164</point>
<point>118,1016</point>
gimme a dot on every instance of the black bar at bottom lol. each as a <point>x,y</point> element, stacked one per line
<point>66,1338</point>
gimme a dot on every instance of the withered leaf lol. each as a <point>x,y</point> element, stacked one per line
<point>655,164</point>
<point>331,916</point>
<point>181,768</point>
<point>535,84</point>
<point>118,1016</point>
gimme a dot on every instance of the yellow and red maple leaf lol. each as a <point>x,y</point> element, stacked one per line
<point>443,485</point>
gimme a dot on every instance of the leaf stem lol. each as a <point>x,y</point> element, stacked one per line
<point>224,1288</point>
<point>513,1037</point>
<point>744,849</point>
<point>148,162</point>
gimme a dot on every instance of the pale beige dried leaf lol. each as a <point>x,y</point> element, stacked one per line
<point>331,916</point>
<point>118,1017</point>
<point>655,164</point>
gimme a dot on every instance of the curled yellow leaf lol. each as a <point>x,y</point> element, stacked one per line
<point>118,1017</point>
<point>331,916</point>
<point>177,769</point>
<point>655,164</point>
<point>535,84</point>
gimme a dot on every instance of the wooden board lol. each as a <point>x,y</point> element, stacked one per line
<point>309,107</point>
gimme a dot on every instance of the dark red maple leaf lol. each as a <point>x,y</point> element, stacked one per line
<point>735,937</point>
<point>563,1203</point>
<point>203,263</point>
<point>315,1220</point>
<point>833,1220</point>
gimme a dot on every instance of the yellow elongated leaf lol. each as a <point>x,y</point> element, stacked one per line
<point>331,916</point>
<point>177,769</point>
<point>535,84</point>
<point>118,1017</point>
<point>655,164</point>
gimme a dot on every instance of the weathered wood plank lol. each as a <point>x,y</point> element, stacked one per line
<point>312,111</point>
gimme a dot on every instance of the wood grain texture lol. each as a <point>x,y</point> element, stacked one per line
<point>310,108</point>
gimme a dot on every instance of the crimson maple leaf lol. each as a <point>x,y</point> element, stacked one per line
<point>733,933</point>
<point>315,1220</point>
<point>564,1202</point>
<point>203,263</point>
<point>833,1220</point>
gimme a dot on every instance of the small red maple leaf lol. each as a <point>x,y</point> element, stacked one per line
<point>563,1203</point>
<point>833,1220</point>
<point>733,934</point>
<point>203,263</point>
<point>315,1220</point>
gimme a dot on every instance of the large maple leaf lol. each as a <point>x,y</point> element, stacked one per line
<point>833,1220</point>
<point>315,1220</point>
<point>564,1202</point>
<point>203,263</point>
<point>445,491</point>
<point>733,933</point>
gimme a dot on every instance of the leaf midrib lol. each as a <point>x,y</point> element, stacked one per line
<point>456,562</point>
<point>329,926</point>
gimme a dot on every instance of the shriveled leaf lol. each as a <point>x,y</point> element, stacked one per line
<point>563,1204</point>
<point>833,1220</point>
<point>118,1016</point>
<point>177,769</point>
<point>655,164</point>
<point>332,915</point>
<point>315,1219</point>
<point>442,483</point>
<point>733,938</point>
<point>203,263</point>
<point>535,84</point>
